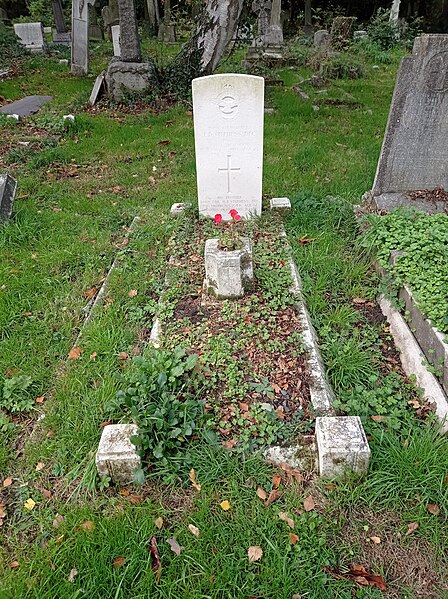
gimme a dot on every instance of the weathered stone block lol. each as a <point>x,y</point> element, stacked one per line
<point>179,208</point>
<point>321,39</point>
<point>129,76</point>
<point>167,33</point>
<point>8,188</point>
<point>280,204</point>
<point>228,274</point>
<point>117,456</point>
<point>342,445</point>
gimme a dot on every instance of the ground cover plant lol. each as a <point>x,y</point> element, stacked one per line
<point>63,532</point>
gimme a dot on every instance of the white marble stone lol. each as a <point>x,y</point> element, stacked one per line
<point>280,204</point>
<point>228,125</point>
<point>342,445</point>
<point>117,456</point>
<point>115,31</point>
<point>31,35</point>
<point>179,208</point>
<point>69,117</point>
<point>228,274</point>
<point>14,117</point>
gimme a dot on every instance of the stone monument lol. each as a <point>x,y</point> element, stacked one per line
<point>110,16</point>
<point>31,35</point>
<point>414,155</point>
<point>167,31</point>
<point>61,35</point>
<point>115,31</point>
<point>80,36</point>
<point>228,128</point>
<point>128,73</point>
<point>266,46</point>
<point>95,31</point>
<point>8,188</point>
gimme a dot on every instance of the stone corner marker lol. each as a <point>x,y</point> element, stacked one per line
<point>414,154</point>
<point>342,445</point>
<point>8,188</point>
<point>228,128</point>
<point>116,456</point>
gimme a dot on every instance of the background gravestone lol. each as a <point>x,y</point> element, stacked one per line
<point>414,155</point>
<point>228,129</point>
<point>61,36</point>
<point>115,31</point>
<point>8,188</point>
<point>110,16</point>
<point>80,36</point>
<point>31,35</point>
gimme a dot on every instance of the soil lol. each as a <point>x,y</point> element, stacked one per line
<point>438,194</point>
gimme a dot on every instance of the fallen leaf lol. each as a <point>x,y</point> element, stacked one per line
<point>93,356</point>
<point>273,496</point>
<point>411,527</point>
<point>433,509</point>
<point>133,293</point>
<point>261,493</point>
<point>293,538</point>
<point>7,482</point>
<point>90,293</point>
<point>193,480</point>
<point>375,540</point>
<point>46,494</point>
<point>284,516</point>
<point>305,239</point>
<point>377,418</point>
<point>14,564</point>
<point>73,573</point>
<point>225,505</point>
<point>230,444</point>
<point>58,521</point>
<point>158,522</point>
<point>39,466</point>
<point>118,561</point>
<point>156,565</point>
<point>74,353</point>
<point>123,356</point>
<point>358,300</point>
<point>254,553</point>
<point>88,526</point>
<point>276,480</point>
<point>164,142</point>
<point>172,154</point>
<point>40,399</point>
<point>29,504</point>
<point>193,529</point>
<point>360,575</point>
<point>309,504</point>
<point>175,547</point>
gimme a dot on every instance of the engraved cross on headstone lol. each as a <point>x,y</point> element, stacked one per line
<point>229,171</point>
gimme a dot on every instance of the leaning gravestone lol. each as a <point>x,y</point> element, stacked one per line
<point>228,129</point>
<point>31,35</point>
<point>8,188</point>
<point>61,36</point>
<point>414,155</point>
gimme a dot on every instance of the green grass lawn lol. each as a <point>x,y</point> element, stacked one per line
<point>79,191</point>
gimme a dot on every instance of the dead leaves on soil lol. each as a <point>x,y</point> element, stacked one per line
<point>358,574</point>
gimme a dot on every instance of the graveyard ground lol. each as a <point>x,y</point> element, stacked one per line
<point>63,533</point>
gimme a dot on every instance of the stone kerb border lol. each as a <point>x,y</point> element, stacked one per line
<point>340,443</point>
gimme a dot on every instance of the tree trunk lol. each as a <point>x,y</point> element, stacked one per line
<point>201,55</point>
<point>308,27</point>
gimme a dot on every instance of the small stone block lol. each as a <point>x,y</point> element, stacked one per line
<point>228,274</point>
<point>63,61</point>
<point>342,445</point>
<point>179,208</point>
<point>13,117</point>
<point>69,117</point>
<point>116,456</point>
<point>280,204</point>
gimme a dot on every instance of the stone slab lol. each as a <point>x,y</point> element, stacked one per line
<point>115,32</point>
<point>122,77</point>
<point>31,35</point>
<point>26,106</point>
<point>387,202</point>
<point>8,188</point>
<point>117,457</point>
<point>98,87</point>
<point>179,208</point>
<point>414,154</point>
<point>228,123</point>
<point>228,274</point>
<point>280,204</point>
<point>62,39</point>
<point>342,446</point>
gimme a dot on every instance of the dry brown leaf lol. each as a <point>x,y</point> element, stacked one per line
<point>74,353</point>
<point>156,565</point>
<point>309,504</point>
<point>358,300</point>
<point>225,505</point>
<point>133,293</point>
<point>72,575</point>
<point>273,496</point>
<point>40,399</point>
<point>118,561</point>
<point>276,480</point>
<point>14,565</point>
<point>377,418</point>
<point>88,526</point>
<point>293,538</point>
<point>39,466</point>
<point>175,547</point>
<point>193,529</point>
<point>254,553</point>
<point>58,521</point>
<point>90,293</point>
<point>411,527</point>
<point>123,356</point>
<point>261,493</point>
<point>193,480</point>
<point>46,493</point>
<point>433,509</point>
<point>7,482</point>
<point>158,522</point>
<point>93,356</point>
<point>284,516</point>
<point>375,540</point>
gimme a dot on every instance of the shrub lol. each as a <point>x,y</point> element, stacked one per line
<point>382,31</point>
<point>16,395</point>
<point>341,67</point>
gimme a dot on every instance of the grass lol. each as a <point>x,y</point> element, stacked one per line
<point>76,199</point>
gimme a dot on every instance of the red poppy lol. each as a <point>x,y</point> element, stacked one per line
<point>237,217</point>
<point>233,212</point>
<point>218,218</point>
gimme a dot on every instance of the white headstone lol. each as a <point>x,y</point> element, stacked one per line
<point>228,128</point>
<point>115,30</point>
<point>31,35</point>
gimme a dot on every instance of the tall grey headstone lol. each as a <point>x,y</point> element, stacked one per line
<point>110,16</point>
<point>262,8</point>
<point>80,36</point>
<point>129,42</point>
<point>414,154</point>
<point>115,31</point>
<point>274,36</point>
<point>228,129</point>
<point>31,35</point>
<point>395,11</point>
<point>61,35</point>
<point>8,188</point>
